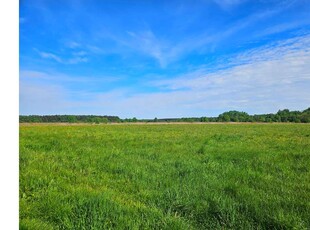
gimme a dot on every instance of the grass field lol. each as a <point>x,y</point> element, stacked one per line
<point>189,176</point>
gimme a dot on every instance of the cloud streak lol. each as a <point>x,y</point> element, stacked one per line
<point>76,59</point>
<point>169,59</point>
<point>59,78</point>
<point>166,52</point>
<point>264,80</point>
<point>229,4</point>
<point>50,56</point>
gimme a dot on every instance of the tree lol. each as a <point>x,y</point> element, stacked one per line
<point>105,120</point>
<point>96,120</point>
<point>72,119</point>
<point>226,118</point>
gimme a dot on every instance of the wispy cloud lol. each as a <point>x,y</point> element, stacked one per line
<point>33,74</point>
<point>228,4</point>
<point>54,77</point>
<point>56,93</point>
<point>279,28</point>
<point>42,99</point>
<point>78,57</point>
<point>265,80</point>
<point>231,4</point>
<point>80,53</point>
<point>94,49</point>
<point>50,56</point>
<point>148,43</point>
<point>207,57</point>
<point>166,52</point>
<point>73,44</point>
<point>77,60</point>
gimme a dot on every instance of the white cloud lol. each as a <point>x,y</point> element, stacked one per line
<point>80,53</point>
<point>261,80</point>
<point>50,56</point>
<point>53,78</point>
<point>77,60</point>
<point>228,4</point>
<point>42,99</point>
<point>231,4</point>
<point>148,43</point>
<point>94,49</point>
<point>73,44</point>
<point>33,74</point>
<point>78,57</point>
<point>166,52</point>
<point>279,28</point>
<point>265,80</point>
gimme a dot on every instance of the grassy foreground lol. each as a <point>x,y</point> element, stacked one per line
<point>245,176</point>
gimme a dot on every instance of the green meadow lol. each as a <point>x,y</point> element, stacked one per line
<point>176,176</point>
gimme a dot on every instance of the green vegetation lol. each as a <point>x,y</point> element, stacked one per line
<point>191,176</point>
<point>231,116</point>
<point>68,119</point>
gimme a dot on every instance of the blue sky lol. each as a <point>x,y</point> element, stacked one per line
<point>161,59</point>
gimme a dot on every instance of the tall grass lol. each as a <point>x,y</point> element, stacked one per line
<point>245,176</point>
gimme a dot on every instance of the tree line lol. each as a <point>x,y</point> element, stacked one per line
<point>68,119</point>
<point>284,115</point>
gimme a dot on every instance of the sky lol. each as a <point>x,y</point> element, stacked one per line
<point>163,59</point>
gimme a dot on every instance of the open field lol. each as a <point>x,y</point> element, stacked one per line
<point>207,176</point>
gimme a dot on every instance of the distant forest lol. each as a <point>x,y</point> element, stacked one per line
<point>231,116</point>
